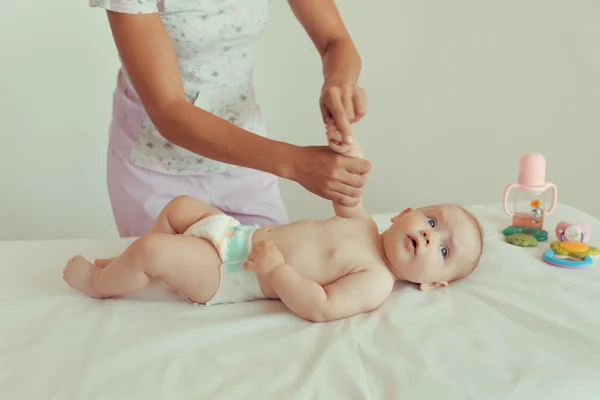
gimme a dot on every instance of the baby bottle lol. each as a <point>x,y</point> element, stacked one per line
<point>531,200</point>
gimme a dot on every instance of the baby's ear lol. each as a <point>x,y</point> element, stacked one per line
<point>401,214</point>
<point>434,285</point>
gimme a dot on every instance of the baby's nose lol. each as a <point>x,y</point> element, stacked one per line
<point>427,237</point>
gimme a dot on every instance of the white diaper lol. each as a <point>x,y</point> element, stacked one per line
<point>233,242</point>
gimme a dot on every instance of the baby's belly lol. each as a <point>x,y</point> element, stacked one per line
<point>316,260</point>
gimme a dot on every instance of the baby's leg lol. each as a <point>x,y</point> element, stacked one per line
<point>187,264</point>
<point>175,218</point>
<point>181,213</point>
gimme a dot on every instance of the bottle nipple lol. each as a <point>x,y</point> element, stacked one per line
<point>532,170</point>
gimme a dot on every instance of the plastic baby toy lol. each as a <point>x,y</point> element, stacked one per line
<point>528,210</point>
<point>571,250</point>
<point>537,210</point>
<point>524,236</point>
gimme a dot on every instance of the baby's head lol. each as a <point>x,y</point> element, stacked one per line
<point>433,246</point>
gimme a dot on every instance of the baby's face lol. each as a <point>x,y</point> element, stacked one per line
<point>432,245</point>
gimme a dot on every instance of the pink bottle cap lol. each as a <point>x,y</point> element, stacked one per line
<point>532,171</point>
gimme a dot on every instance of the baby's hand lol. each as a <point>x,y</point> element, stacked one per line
<point>337,142</point>
<point>264,258</point>
<point>349,148</point>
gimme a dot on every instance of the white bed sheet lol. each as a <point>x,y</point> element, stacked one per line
<point>516,329</point>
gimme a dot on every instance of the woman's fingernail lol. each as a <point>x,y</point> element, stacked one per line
<point>348,139</point>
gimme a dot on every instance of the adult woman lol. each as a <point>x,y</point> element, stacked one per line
<point>185,113</point>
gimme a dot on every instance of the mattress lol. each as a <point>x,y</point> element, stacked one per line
<point>517,328</point>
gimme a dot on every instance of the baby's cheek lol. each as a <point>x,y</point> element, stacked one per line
<point>428,266</point>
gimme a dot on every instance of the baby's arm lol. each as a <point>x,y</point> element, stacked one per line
<point>352,294</point>
<point>351,149</point>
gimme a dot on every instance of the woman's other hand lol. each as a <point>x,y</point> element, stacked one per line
<point>343,104</point>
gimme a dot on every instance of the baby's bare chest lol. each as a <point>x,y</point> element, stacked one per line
<point>324,251</point>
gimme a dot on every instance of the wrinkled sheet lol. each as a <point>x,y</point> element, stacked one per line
<point>515,329</point>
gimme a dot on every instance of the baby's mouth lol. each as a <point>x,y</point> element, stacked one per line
<point>412,244</point>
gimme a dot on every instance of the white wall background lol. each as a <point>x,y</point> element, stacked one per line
<point>503,78</point>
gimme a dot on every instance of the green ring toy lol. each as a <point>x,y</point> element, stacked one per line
<point>540,235</point>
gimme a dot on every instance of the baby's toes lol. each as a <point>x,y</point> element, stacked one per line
<point>67,266</point>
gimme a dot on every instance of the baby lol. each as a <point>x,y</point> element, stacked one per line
<point>321,270</point>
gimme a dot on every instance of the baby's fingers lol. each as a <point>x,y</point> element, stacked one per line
<point>252,256</point>
<point>339,148</point>
<point>251,265</point>
<point>258,248</point>
<point>335,142</point>
<point>334,136</point>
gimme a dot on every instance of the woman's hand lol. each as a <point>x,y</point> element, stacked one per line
<point>328,174</point>
<point>343,104</point>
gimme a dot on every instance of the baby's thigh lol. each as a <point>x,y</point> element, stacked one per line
<point>184,211</point>
<point>190,266</point>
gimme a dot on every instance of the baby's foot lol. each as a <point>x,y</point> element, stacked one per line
<point>79,273</point>
<point>103,262</point>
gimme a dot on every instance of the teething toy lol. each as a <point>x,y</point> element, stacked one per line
<point>522,240</point>
<point>570,250</point>
<point>550,258</point>
<point>539,235</point>
<point>573,249</point>
<point>529,192</point>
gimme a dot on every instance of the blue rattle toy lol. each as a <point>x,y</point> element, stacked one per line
<point>571,250</point>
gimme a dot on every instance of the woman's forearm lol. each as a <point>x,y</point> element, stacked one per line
<point>203,133</point>
<point>341,62</point>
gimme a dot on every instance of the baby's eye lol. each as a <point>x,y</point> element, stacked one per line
<point>444,251</point>
<point>431,222</point>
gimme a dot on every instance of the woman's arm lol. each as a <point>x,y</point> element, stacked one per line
<point>149,58</point>
<point>341,99</point>
<point>322,22</point>
<point>151,63</point>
